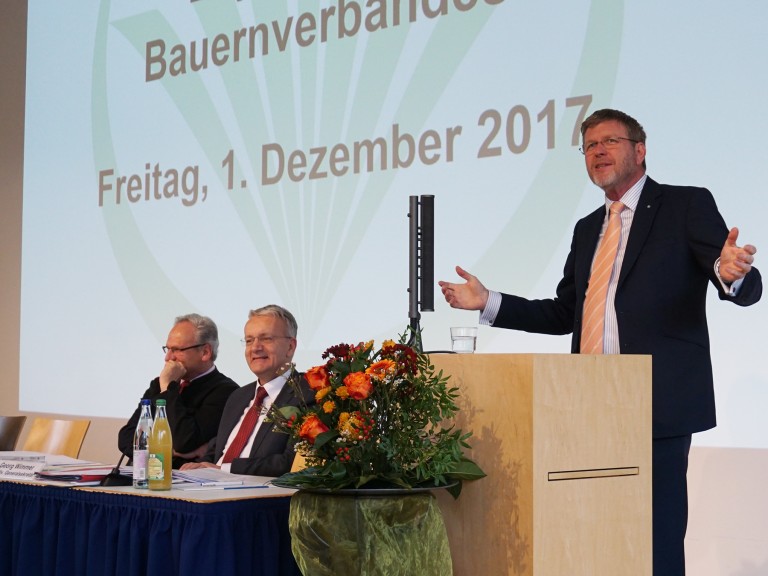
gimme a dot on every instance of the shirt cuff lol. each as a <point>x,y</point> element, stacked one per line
<point>731,290</point>
<point>491,310</point>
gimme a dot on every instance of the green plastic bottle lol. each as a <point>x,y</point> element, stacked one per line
<point>159,463</point>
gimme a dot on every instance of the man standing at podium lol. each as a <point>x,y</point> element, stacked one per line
<point>635,282</point>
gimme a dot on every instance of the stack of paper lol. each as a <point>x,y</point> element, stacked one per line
<point>22,455</point>
<point>207,477</point>
<point>82,474</point>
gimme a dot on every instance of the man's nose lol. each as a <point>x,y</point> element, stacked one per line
<point>254,345</point>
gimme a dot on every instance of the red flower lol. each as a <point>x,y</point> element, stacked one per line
<point>317,378</point>
<point>358,385</point>
<point>311,428</point>
<point>338,351</point>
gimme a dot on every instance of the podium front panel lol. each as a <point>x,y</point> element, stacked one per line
<point>566,443</point>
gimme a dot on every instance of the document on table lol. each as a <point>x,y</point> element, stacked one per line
<point>87,474</point>
<point>22,455</point>
<point>207,477</point>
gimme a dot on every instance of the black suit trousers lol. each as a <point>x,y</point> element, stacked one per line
<point>670,504</point>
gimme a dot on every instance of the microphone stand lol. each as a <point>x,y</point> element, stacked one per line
<point>114,478</point>
<point>420,263</point>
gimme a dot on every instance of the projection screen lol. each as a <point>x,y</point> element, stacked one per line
<point>215,156</point>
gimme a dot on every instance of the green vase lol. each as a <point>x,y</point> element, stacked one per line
<point>357,534</point>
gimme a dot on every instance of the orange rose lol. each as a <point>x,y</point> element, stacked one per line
<point>311,428</point>
<point>358,385</point>
<point>317,378</point>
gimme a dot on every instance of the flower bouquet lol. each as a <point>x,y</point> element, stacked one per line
<point>382,419</point>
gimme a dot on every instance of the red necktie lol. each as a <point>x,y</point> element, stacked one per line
<point>183,384</point>
<point>593,321</point>
<point>246,427</point>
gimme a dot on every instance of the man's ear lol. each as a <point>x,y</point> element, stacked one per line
<point>640,153</point>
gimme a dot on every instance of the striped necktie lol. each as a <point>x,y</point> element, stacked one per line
<point>593,319</point>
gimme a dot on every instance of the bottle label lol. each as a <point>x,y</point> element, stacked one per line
<point>140,458</point>
<point>155,469</point>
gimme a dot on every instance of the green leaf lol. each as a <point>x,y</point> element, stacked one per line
<point>336,470</point>
<point>465,469</point>
<point>288,411</point>
<point>322,439</point>
<point>455,490</point>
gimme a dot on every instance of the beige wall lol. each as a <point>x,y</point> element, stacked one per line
<point>12,42</point>
<point>728,516</point>
<point>728,532</point>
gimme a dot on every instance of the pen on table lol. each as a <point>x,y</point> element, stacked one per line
<point>219,487</point>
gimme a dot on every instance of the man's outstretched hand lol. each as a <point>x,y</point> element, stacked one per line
<point>735,261</point>
<point>471,295</point>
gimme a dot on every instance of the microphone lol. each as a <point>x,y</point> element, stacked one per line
<point>114,478</point>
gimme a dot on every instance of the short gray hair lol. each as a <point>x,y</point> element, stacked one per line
<point>278,312</point>
<point>206,330</point>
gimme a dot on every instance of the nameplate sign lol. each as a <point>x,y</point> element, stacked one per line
<point>20,469</point>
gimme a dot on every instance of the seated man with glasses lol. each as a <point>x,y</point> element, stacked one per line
<point>245,443</point>
<point>194,390</point>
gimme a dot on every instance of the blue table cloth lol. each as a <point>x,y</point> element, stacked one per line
<point>62,531</point>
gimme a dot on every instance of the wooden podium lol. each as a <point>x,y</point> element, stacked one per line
<point>565,440</point>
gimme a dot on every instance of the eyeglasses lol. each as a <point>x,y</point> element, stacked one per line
<point>175,350</point>
<point>265,339</point>
<point>608,143</point>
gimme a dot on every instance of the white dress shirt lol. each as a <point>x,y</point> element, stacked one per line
<point>611,330</point>
<point>273,388</point>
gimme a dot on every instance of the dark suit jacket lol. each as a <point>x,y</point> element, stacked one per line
<point>272,453</point>
<point>193,415</point>
<point>677,234</point>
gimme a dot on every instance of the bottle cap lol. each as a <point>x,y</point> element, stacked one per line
<point>159,402</point>
<point>146,402</point>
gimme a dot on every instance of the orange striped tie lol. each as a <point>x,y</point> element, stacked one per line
<point>593,320</point>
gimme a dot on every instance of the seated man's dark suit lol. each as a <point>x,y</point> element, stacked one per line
<point>273,452</point>
<point>193,414</point>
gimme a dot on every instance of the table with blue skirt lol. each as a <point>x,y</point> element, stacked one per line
<point>64,531</point>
